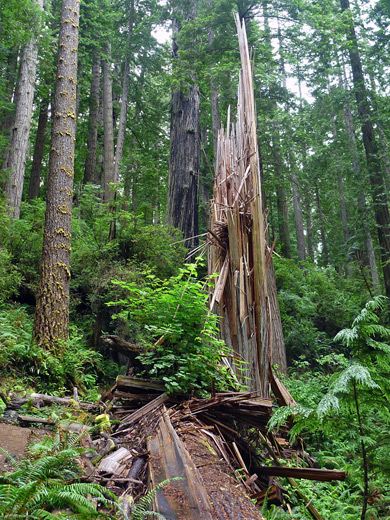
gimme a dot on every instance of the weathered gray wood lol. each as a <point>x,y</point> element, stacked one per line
<point>50,399</point>
<point>134,383</point>
<point>147,408</point>
<point>179,500</point>
<point>112,463</point>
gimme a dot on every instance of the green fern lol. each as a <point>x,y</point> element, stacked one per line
<point>141,510</point>
<point>47,487</point>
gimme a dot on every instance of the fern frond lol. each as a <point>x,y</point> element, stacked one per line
<point>140,511</point>
<point>354,374</point>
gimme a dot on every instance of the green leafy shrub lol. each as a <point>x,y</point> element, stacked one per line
<point>188,356</point>
<point>315,303</point>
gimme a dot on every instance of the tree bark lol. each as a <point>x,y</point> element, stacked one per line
<point>16,159</point>
<point>298,215</point>
<point>348,119</point>
<point>124,101</point>
<point>184,161</point>
<point>35,176</point>
<point>7,116</point>
<point>281,201</point>
<point>90,161</point>
<point>379,197</point>
<point>325,252</point>
<point>51,325</point>
<point>108,125</point>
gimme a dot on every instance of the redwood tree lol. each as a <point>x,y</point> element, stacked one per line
<point>184,162</point>
<point>52,309</point>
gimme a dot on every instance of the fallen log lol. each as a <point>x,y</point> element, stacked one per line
<point>182,500</point>
<point>120,345</point>
<point>322,475</point>
<point>50,399</point>
<point>137,384</point>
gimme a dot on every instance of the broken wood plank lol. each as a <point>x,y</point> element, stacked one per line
<point>147,408</point>
<point>136,383</point>
<point>179,500</point>
<point>112,463</point>
<point>322,475</point>
<point>283,396</point>
<point>31,419</point>
<point>273,494</point>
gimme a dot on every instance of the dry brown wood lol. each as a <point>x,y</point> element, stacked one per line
<point>322,475</point>
<point>120,344</point>
<point>237,238</point>
<point>274,496</point>
<point>141,412</point>
<point>283,396</point>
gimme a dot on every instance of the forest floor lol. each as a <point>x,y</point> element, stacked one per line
<point>15,441</point>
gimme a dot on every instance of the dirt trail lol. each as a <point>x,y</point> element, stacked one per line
<point>15,440</point>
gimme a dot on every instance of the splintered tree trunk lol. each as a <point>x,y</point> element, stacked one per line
<point>51,324</point>
<point>90,161</point>
<point>379,197</point>
<point>108,124</point>
<point>35,176</point>
<point>184,161</point>
<point>16,157</point>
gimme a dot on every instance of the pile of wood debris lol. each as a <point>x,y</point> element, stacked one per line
<point>217,446</point>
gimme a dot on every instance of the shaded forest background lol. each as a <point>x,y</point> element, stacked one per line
<point>142,184</point>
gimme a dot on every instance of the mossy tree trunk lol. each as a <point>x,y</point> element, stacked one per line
<point>52,309</point>
<point>16,158</point>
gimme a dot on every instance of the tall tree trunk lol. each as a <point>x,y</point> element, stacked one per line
<point>16,159</point>
<point>124,101</point>
<point>90,161</point>
<point>51,323</point>
<point>184,161</point>
<point>298,214</point>
<point>281,201</point>
<point>309,228</point>
<point>348,119</point>
<point>108,125</point>
<point>9,88</point>
<point>325,252</point>
<point>215,115</point>
<point>379,197</point>
<point>35,176</point>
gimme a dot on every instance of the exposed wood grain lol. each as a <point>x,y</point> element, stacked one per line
<point>182,500</point>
